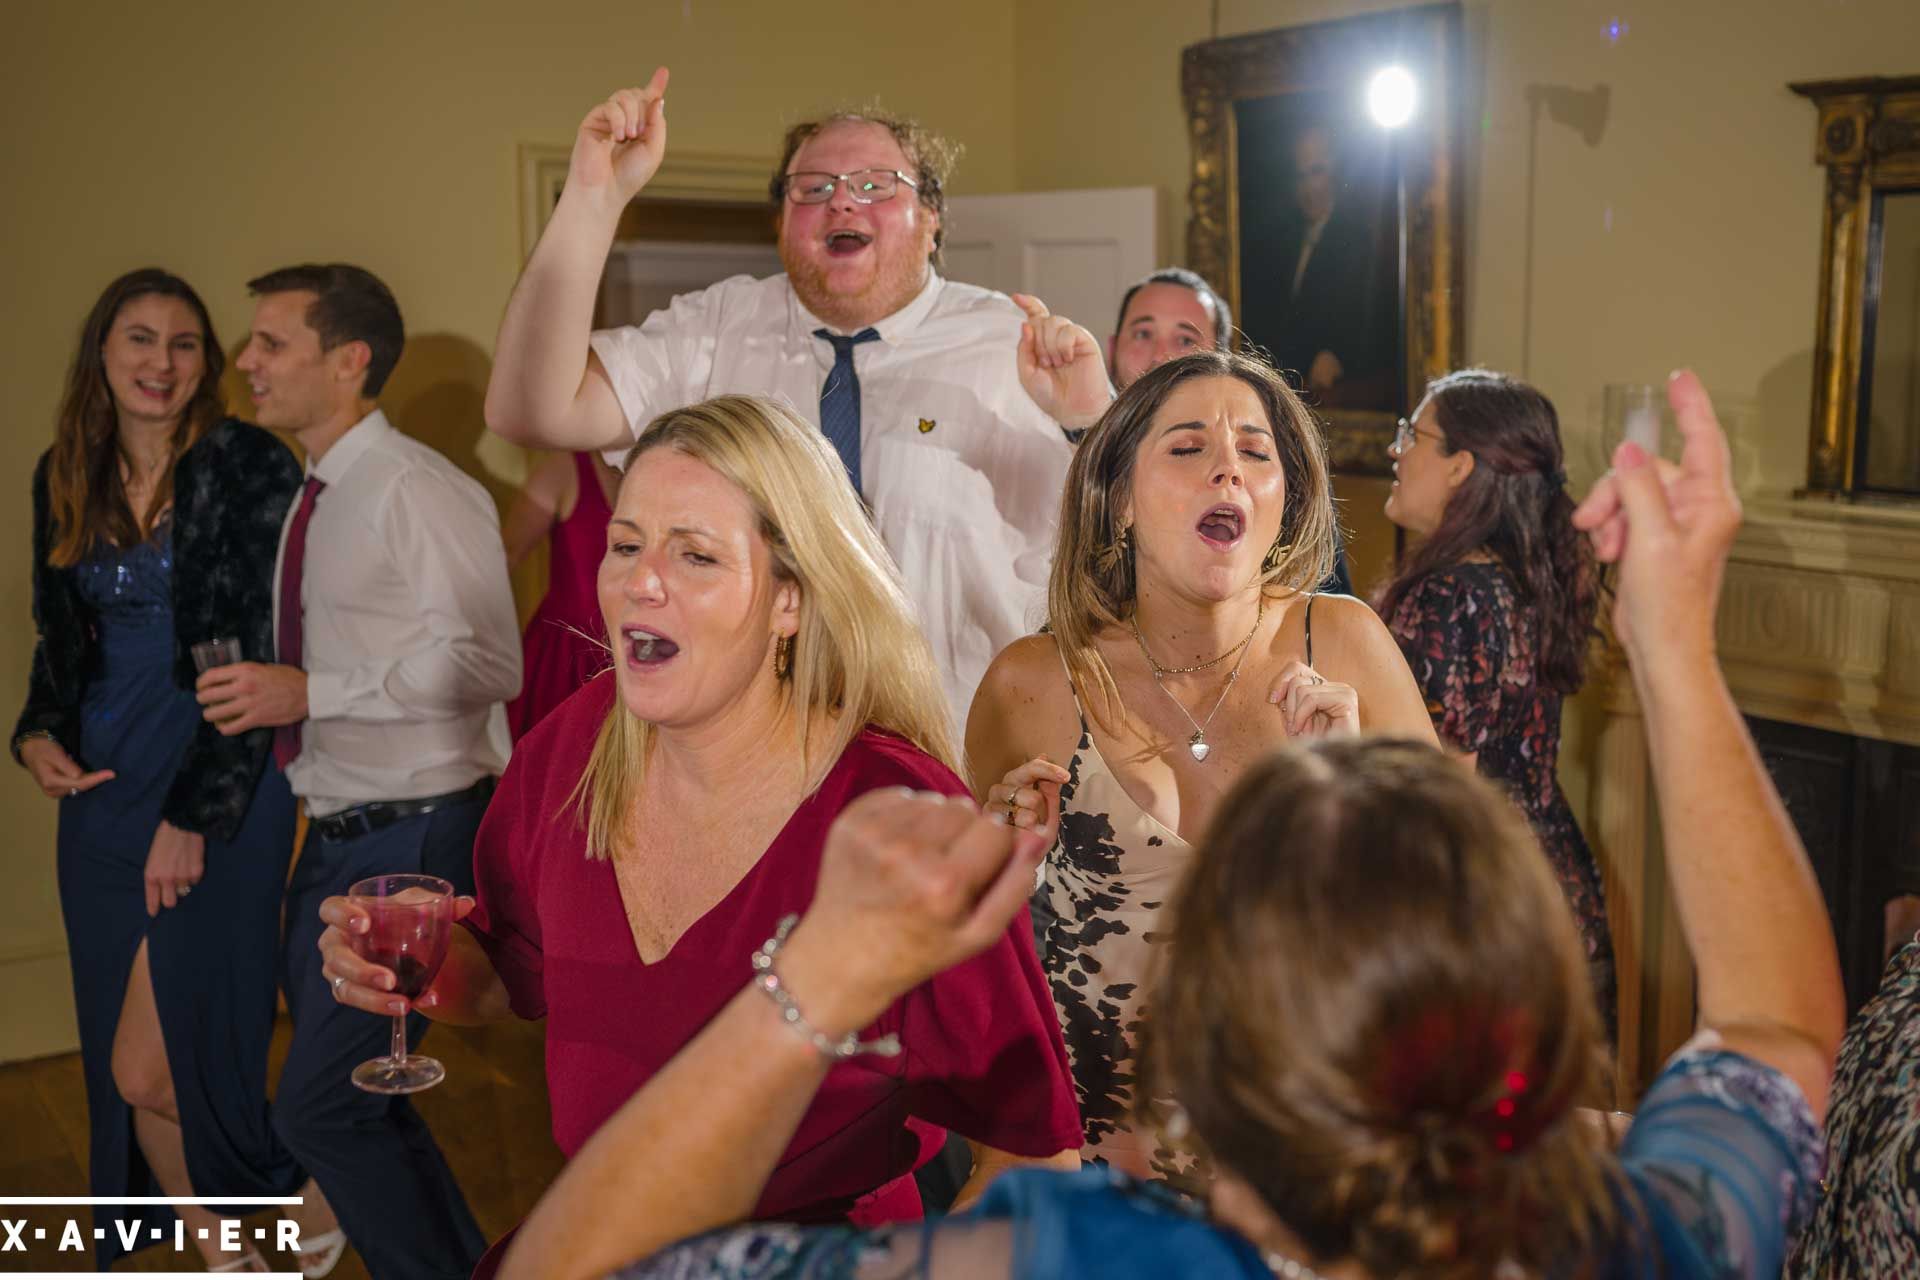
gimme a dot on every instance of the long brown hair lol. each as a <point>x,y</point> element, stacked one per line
<point>1516,506</point>
<point>87,498</point>
<point>1374,1009</point>
<point>1093,585</point>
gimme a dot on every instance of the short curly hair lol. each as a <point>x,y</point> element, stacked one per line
<point>930,156</point>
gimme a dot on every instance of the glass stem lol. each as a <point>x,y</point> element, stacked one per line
<point>399,1053</point>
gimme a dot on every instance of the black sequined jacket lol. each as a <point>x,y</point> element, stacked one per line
<point>231,492</point>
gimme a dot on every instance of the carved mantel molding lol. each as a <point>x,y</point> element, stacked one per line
<point>1819,625</point>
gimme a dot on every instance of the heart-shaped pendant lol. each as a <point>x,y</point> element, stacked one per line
<point>1198,746</point>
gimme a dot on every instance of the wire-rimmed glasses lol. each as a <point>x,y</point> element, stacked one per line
<point>1405,433</point>
<point>865,186</point>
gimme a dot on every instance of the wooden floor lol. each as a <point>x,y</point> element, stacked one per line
<point>490,1117</point>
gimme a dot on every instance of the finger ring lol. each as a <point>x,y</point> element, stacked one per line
<point>72,793</point>
<point>185,889</point>
<point>339,985</point>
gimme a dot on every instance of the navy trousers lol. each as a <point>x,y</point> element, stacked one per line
<point>372,1155</point>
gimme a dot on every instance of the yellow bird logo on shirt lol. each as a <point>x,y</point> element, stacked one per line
<point>926,425</point>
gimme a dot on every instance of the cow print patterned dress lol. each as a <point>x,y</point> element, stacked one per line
<point>1100,893</point>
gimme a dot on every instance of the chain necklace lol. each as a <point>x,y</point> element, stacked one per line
<point>1159,670</point>
<point>1197,745</point>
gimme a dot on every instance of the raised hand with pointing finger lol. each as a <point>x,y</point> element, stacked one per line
<point>1062,366</point>
<point>621,143</point>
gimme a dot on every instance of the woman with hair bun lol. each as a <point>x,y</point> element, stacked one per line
<point>1494,607</point>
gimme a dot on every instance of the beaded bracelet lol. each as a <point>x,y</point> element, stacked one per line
<point>848,1046</point>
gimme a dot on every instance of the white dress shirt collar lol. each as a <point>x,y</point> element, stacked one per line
<point>893,329</point>
<point>360,437</point>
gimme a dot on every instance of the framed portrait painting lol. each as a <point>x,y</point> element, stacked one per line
<point>1325,208</point>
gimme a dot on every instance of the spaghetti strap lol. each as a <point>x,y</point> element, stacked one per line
<point>1311,596</point>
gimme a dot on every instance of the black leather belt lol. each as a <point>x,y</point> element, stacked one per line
<point>365,819</point>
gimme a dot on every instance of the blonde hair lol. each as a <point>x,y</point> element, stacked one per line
<point>1093,584</point>
<point>858,658</point>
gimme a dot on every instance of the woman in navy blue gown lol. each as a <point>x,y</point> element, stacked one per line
<point>156,522</point>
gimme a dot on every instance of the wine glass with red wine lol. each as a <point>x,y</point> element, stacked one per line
<point>409,919</point>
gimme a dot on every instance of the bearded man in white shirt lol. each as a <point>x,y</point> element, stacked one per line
<point>397,644</point>
<point>959,447</point>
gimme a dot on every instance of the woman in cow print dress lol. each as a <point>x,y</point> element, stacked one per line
<point>1183,644</point>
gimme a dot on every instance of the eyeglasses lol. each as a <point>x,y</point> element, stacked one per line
<point>1404,433</point>
<point>866,186</point>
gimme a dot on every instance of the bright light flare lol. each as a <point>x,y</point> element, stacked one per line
<point>1390,97</point>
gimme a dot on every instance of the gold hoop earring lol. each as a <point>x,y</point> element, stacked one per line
<point>783,657</point>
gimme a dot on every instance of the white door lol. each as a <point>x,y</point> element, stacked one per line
<point>1077,251</point>
<point>643,276</point>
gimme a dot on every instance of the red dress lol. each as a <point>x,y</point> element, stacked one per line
<point>565,641</point>
<point>983,1054</point>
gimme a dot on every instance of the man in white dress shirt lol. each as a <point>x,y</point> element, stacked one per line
<point>397,645</point>
<point>958,447</point>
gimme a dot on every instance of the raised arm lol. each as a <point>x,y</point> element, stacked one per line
<point>1748,901</point>
<point>547,390</point>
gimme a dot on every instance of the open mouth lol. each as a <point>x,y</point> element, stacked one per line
<point>648,648</point>
<point>846,242</point>
<point>1223,525</point>
<point>158,390</point>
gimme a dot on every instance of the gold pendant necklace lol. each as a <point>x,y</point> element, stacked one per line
<point>1197,745</point>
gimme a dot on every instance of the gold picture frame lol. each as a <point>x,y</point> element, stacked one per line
<point>1868,141</point>
<point>1330,62</point>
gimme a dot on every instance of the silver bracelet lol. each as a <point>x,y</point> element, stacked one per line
<point>848,1046</point>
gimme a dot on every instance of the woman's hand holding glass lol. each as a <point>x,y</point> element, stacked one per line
<point>355,981</point>
<point>1683,518</point>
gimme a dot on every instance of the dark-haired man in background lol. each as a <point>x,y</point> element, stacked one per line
<point>397,644</point>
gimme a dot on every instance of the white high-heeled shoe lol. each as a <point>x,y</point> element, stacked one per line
<point>321,1254</point>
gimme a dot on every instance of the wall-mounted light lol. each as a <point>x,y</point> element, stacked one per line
<point>1390,97</point>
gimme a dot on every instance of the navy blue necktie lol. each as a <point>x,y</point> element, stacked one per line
<point>840,400</point>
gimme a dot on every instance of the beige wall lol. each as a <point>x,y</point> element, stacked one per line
<point>233,137</point>
<point>223,139</point>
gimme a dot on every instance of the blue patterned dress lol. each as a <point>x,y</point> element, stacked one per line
<point>213,957</point>
<point>1721,1165</point>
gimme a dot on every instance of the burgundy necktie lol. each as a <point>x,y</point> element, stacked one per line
<point>286,738</point>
